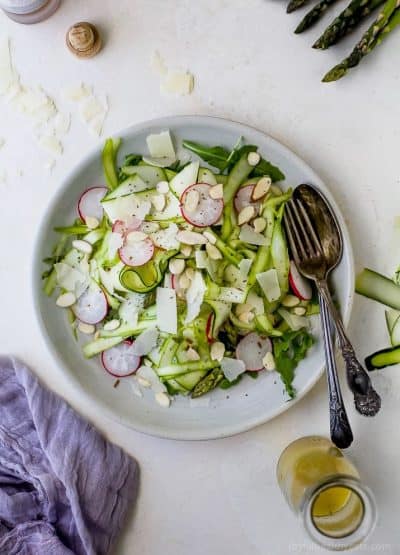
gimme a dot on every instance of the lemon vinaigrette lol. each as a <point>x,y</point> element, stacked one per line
<point>323,486</point>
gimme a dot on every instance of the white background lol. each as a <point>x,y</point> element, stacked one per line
<point>220,496</point>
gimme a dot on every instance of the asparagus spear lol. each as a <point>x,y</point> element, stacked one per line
<point>208,383</point>
<point>346,21</point>
<point>367,42</point>
<point>313,16</point>
<point>295,5</point>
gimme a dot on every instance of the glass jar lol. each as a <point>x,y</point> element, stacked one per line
<point>29,11</point>
<point>323,487</point>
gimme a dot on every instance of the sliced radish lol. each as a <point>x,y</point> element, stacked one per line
<point>208,210</point>
<point>300,286</point>
<point>124,228</point>
<point>243,199</point>
<point>89,204</point>
<point>92,306</point>
<point>137,254</point>
<point>120,361</point>
<point>209,327</point>
<point>252,349</point>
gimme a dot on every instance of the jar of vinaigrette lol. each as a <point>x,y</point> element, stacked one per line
<point>323,487</point>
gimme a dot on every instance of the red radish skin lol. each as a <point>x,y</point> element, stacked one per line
<point>251,349</point>
<point>119,361</point>
<point>243,198</point>
<point>208,211</point>
<point>137,254</point>
<point>209,326</point>
<point>125,228</point>
<point>89,203</point>
<point>92,306</point>
<point>300,286</point>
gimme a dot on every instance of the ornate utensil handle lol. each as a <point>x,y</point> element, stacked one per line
<point>367,400</point>
<point>340,429</point>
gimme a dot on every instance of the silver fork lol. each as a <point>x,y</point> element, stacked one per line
<point>340,429</point>
<point>312,262</point>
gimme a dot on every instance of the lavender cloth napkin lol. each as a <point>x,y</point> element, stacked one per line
<point>63,488</point>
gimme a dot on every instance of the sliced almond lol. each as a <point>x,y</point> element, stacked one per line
<point>210,237</point>
<point>217,191</point>
<point>162,187</point>
<point>91,222</point>
<point>269,361</point>
<point>299,310</point>
<point>158,201</point>
<point>82,246</point>
<point>192,199</point>
<point>87,329</point>
<point>217,351</point>
<point>192,354</point>
<point>290,301</point>
<point>143,382</point>
<point>184,281</point>
<point>65,300</point>
<point>176,266</point>
<point>213,252</point>
<point>246,317</point>
<point>191,238</point>
<point>259,225</point>
<point>162,399</point>
<point>186,250</point>
<point>246,214</point>
<point>261,189</point>
<point>136,236</point>
<point>112,325</point>
<point>253,158</point>
<point>189,273</point>
<point>242,308</point>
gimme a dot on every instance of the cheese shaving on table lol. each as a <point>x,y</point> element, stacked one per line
<point>178,82</point>
<point>172,81</point>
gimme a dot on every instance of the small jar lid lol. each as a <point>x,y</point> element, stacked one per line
<point>83,39</point>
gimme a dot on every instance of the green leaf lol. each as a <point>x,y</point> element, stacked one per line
<point>289,350</point>
<point>224,160</point>
<point>216,156</point>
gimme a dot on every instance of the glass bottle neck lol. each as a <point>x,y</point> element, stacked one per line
<point>339,513</point>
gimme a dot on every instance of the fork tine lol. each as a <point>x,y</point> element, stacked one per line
<point>296,244</point>
<point>304,231</point>
<point>310,228</point>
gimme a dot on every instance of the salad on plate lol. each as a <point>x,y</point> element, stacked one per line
<point>177,272</point>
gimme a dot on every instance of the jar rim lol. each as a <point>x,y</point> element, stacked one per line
<point>347,540</point>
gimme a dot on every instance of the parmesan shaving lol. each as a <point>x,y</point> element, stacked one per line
<point>166,310</point>
<point>178,82</point>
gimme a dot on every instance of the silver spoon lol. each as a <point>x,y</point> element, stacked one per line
<point>324,233</point>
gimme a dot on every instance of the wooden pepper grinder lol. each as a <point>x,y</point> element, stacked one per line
<point>83,40</point>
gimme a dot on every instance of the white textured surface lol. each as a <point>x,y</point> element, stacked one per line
<point>221,495</point>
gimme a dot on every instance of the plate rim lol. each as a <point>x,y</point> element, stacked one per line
<point>36,285</point>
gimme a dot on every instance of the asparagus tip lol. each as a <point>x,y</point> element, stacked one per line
<point>335,74</point>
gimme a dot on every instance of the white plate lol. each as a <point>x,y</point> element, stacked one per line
<point>240,408</point>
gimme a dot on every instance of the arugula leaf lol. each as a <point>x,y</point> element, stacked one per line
<point>289,350</point>
<point>216,156</point>
<point>132,159</point>
<point>222,159</point>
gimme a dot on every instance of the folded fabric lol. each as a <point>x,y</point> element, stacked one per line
<point>64,489</point>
